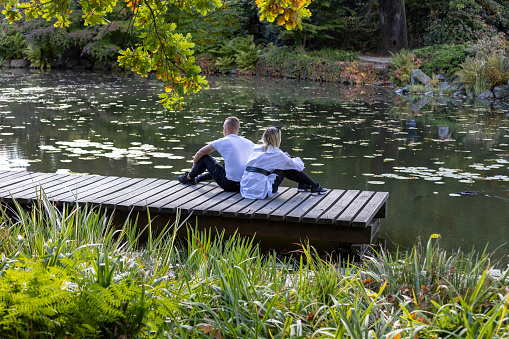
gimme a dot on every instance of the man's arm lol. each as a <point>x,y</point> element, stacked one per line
<point>203,151</point>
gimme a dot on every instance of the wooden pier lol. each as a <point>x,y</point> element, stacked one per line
<point>346,216</point>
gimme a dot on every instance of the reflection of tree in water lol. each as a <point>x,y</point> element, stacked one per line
<point>451,119</point>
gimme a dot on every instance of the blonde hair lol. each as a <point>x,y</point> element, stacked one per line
<point>271,138</point>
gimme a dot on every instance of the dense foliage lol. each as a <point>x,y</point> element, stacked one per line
<point>71,273</point>
<point>444,59</point>
<point>161,49</point>
<point>286,62</point>
<point>182,41</point>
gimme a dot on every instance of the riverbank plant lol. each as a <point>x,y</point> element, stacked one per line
<point>69,272</point>
<point>334,54</point>
<point>402,65</point>
<point>239,52</point>
<point>288,63</point>
<point>488,67</point>
<point>12,42</point>
<point>443,59</point>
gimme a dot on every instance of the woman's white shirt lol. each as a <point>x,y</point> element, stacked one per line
<point>256,185</point>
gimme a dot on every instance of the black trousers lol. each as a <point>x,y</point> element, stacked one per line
<point>216,171</point>
<point>299,177</point>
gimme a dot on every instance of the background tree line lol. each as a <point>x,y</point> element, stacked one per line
<point>351,25</point>
<point>230,36</point>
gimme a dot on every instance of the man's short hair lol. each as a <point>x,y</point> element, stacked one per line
<point>233,123</point>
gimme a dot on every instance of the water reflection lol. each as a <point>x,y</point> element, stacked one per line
<point>351,138</point>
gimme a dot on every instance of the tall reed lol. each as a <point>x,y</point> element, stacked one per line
<point>87,277</point>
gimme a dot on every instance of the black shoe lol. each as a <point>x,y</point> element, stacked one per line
<point>315,190</point>
<point>304,188</point>
<point>202,177</point>
<point>183,179</point>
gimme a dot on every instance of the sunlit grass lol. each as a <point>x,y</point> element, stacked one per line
<point>214,286</point>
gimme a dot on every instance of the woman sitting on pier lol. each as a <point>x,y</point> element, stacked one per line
<point>268,166</point>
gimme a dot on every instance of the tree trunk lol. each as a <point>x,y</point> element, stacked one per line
<point>393,32</point>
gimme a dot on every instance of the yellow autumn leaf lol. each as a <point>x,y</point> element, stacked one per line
<point>168,88</point>
<point>281,21</point>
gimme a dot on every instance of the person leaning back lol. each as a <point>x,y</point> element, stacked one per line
<point>235,151</point>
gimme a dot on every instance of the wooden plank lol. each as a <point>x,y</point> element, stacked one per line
<point>94,196</point>
<point>93,187</point>
<point>235,199</point>
<point>297,214</point>
<point>29,188</point>
<point>4,174</point>
<point>30,195</point>
<point>74,180</point>
<point>28,184</point>
<point>292,205</point>
<point>141,201</point>
<point>285,230</point>
<point>158,197</point>
<point>371,209</point>
<point>214,201</point>
<point>127,188</point>
<point>13,180</point>
<point>248,211</point>
<point>195,205</point>
<point>171,207</point>
<point>59,194</point>
<point>265,211</point>
<point>331,214</point>
<point>314,213</point>
<point>347,216</point>
<point>170,195</point>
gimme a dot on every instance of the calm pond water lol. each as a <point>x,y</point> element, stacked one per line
<point>445,164</point>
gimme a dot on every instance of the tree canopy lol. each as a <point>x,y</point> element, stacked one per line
<point>161,50</point>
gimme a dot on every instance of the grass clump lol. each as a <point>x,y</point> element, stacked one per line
<point>488,68</point>
<point>71,273</point>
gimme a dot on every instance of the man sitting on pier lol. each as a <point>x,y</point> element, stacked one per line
<point>235,151</point>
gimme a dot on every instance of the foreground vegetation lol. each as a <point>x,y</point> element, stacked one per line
<point>72,274</point>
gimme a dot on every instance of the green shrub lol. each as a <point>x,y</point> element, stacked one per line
<point>402,64</point>
<point>38,58</point>
<point>444,59</point>
<point>12,43</point>
<point>289,63</point>
<point>239,51</point>
<point>334,54</point>
<point>456,25</point>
